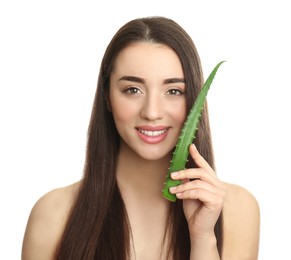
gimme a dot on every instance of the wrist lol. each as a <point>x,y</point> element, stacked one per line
<point>204,246</point>
<point>204,239</point>
<point>203,236</point>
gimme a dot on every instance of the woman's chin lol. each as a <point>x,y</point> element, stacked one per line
<point>152,155</point>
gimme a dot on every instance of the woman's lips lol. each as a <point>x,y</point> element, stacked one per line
<point>152,135</point>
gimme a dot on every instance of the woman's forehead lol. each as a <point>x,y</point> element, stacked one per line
<point>145,58</point>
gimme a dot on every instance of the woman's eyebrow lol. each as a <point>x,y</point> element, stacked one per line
<point>174,80</point>
<point>132,79</point>
<point>141,80</point>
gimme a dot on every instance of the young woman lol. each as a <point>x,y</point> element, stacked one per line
<point>149,78</point>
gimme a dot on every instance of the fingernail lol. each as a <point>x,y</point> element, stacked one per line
<point>174,174</point>
<point>172,189</point>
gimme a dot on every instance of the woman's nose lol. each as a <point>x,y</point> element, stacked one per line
<point>152,108</point>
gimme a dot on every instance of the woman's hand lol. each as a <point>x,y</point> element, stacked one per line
<point>203,196</point>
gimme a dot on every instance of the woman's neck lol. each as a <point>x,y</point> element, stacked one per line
<point>141,182</point>
<point>140,176</point>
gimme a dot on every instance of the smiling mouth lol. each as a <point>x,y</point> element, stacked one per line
<point>152,133</point>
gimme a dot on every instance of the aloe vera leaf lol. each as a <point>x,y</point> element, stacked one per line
<point>187,136</point>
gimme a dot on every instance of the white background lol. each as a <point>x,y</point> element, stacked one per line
<point>50,53</point>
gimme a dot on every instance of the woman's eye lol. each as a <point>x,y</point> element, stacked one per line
<point>132,91</point>
<point>175,92</point>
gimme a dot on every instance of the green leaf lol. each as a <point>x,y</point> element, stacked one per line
<point>187,136</point>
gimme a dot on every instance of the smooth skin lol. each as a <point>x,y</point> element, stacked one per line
<point>149,107</point>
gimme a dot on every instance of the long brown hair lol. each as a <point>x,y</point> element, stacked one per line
<point>97,227</point>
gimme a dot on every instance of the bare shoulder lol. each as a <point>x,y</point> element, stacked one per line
<point>241,224</point>
<point>46,222</point>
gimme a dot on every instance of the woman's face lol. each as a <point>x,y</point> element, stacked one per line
<point>147,98</point>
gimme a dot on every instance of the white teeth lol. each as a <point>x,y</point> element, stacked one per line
<point>152,133</point>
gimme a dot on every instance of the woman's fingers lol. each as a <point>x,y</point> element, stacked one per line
<point>199,160</point>
<point>211,201</point>
<point>198,189</point>
<point>196,185</point>
<point>199,183</point>
<point>197,173</point>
